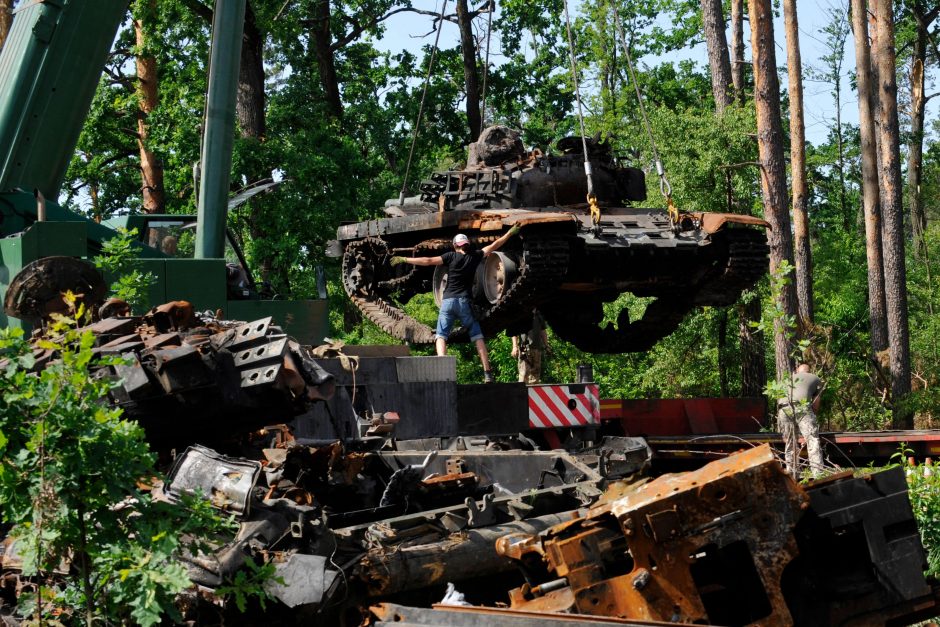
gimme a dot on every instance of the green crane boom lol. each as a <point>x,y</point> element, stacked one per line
<point>50,66</point>
<point>49,69</point>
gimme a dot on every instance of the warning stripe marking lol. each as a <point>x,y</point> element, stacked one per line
<point>547,409</point>
<point>549,406</point>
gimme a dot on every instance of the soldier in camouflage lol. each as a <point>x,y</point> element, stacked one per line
<point>529,348</point>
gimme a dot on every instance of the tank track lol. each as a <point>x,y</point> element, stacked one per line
<point>745,263</point>
<point>364,265</point>
<point>544,264</point>
<point>415,279</point>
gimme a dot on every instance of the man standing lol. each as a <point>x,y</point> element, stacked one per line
<point>798,410</point>
<point>528,349</point>
<point>461,269</point>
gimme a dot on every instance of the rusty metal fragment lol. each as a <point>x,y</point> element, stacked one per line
<point>734,543</point>
<point>393,615</point>
<point>36,291</point>
<point>227,482</point>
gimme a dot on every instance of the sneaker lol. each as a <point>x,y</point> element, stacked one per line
<point>488,377</point>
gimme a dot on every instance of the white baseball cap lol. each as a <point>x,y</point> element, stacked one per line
<point>460,239</point>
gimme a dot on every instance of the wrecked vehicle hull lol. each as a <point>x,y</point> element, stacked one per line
<point>736,543</point>
<point>354,517</point>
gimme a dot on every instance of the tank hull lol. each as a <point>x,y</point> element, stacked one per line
<point>562,264</point>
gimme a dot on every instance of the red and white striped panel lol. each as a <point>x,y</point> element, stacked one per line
<point>552,406</point>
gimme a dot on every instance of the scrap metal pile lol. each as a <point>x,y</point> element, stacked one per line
<point>362,531</point>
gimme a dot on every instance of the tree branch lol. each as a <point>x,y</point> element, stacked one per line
<point>360,27</point>
<point>199,9</point>
<point>743,164</point>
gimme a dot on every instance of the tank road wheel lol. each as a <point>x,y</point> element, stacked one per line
<point>500,271</point>
<point>364,279</point>
<point>439,283</point>
<point>36,291</point>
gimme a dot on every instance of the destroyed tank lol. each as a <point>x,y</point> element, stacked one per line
<point>564,262</point>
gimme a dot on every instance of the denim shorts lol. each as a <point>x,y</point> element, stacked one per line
<point>457,309</point>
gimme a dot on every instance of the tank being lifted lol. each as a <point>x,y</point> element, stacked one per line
<point>561,262</point>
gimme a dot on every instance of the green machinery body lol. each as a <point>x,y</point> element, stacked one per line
<point>49,69</point>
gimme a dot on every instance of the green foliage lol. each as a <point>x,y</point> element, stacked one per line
<point>776,319</point>
<point>249,583</point>
<point>119,261</point>
<point>923,489</point>
<point>706,158</point>
<point>70,471</point>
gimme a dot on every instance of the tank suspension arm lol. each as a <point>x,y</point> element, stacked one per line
<point>588,172</point>
<point>664,187</point>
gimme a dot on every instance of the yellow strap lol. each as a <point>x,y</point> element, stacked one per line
<point>595,209</point>
<point>672,210</point>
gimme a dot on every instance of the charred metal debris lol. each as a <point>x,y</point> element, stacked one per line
<point>369,529</point>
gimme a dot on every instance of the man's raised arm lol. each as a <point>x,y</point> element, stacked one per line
<point>418,261</point>
<point>491,248</point>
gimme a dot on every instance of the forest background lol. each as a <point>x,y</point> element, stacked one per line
<point>328,101</point>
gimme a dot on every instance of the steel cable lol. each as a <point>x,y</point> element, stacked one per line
<point>424,93</point>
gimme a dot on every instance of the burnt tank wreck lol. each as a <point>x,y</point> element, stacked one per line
<point>582,244</point>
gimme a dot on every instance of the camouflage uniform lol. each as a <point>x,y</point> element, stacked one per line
<point>797,413</point>
<point>531,347</point>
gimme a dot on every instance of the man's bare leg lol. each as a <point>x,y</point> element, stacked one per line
<point>441,345</point>
<point>484,354</point>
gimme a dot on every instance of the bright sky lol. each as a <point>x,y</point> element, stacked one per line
<point>405,30</point>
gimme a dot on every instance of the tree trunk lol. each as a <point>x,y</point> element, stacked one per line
<point>737,49</point>
<point>610,62</point>
<point>6,19</point>
<point>723,352</point>
<point>753,378</point>
<point>151,168</point>
<point>468,47</point>
<point>875,100</point>
<point>713,22</point>
<point>250,99</point>
<point>915,151</point>
<point>93,194</point>
<point>892,215</point>
<point>249,111</point>
<point>840,145</point>
<point>801,243</point>
<point>750,340</point>
<point>323,48</point>
<point>871,197</point>
<point>773,169</point>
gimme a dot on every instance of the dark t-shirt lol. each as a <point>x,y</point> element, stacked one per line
<point>460,271</point>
